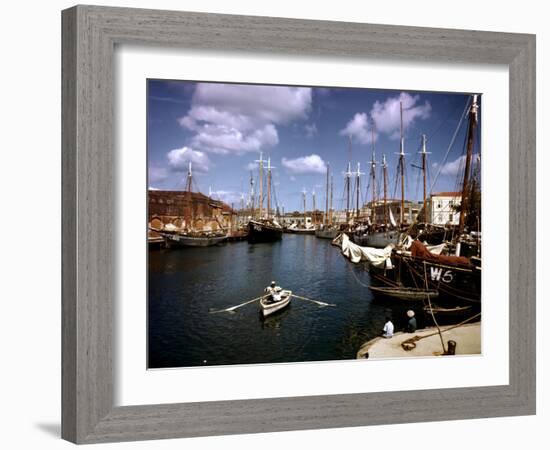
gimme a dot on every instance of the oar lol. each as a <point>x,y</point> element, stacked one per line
<point>233,308</point>
<point>313,301</point>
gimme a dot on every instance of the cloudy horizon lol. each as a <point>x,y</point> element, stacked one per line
<point>222,128</point>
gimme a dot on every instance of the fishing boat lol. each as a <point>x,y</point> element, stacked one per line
<point>440,311</point>
<point>404,293</point>
<point>327,232</point>
<point>264,231</point>
<point>264,228</point>
<point>268,306</point>
<point>189,235</point>
<point>194,239</point>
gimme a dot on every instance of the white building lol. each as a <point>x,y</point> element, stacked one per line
<point>444,208</point>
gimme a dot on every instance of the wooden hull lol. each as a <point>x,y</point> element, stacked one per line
<point>178,240</point>
<point>267,307</point>
<point>263,232</point>
<point>326,234</point>
<point>447,312</point>
<point>378,239</point>
<point>403,293</point>
<point>300,230</point>
<point>454,283</point>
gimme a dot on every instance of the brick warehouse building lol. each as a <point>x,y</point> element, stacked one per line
<point>173,206</point>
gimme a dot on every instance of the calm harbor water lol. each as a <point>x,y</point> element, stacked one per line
<point>184,284</point>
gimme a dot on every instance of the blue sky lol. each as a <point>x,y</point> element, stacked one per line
<point>222,128</point>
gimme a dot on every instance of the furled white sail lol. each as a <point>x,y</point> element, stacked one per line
<point>378,257</point>
<point>392,219</point>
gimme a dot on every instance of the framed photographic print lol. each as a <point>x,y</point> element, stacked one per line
<point>268,230</point>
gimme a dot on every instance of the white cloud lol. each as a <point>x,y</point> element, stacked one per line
<point>227,197</point>
<point>358,128</point>
<point>242,118</point>
<point>311,130</point>
<point>157,174</point>
<point>178,159</point>
<point>386,115</point>
<point>251,166</point>
<point>452,167</point>
<point>305,164</point>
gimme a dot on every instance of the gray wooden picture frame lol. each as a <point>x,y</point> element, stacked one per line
<point>90,34</point>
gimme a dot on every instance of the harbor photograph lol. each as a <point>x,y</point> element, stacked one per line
<point>294,224</point>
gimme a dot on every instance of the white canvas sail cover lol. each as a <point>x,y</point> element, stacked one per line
<point>378,257</point>
<point>392,219</point>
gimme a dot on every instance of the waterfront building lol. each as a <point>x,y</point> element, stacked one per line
<point>444,208</point>
<point>172,206</point>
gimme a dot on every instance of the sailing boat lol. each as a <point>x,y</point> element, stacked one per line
<point>327,230</point>
<point>189,236</point>
<point>306,227</point>
<point>264,228</point>
<point>382,235</point>
<point>455,277</point>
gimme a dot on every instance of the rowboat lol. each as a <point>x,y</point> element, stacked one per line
<point>268,306</point>
<point>404,293</point>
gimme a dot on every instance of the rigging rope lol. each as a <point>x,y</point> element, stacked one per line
<point>451,144</point>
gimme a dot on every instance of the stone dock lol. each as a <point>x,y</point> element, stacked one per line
<point>467,338</point>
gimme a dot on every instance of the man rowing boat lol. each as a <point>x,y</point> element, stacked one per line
<point>274,291</point>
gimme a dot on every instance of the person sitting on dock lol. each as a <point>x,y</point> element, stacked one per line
<point>411,324</point>
<point>388,328</point>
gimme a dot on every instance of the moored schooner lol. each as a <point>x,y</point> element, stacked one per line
<point>264,228</point>
<point>188,235</point>
<point>327,230</point>
<point>413,269</point>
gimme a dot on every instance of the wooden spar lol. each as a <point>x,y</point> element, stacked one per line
<point>357,189</point>
<point>304,192</point>
<point>261,200</point>
<point>326,197</point>
<point>331,192</point>
<point>188,188</point>
<point>373,175</point>
<point>385,175</point>
<point>469,151</point>
<point>251,195</point>
<point>424,154</point>
<point>314,207</point>
<point>348,175</point>
<point>268,186</point>
<point>402,168</point>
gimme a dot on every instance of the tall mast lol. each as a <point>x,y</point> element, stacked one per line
<point>402,168</point>
<point>331,191</point>
<point>348,176</point>
<point>304,192</point>
<point>188,190</point>
<point>251,195</point>
<point>357,188</point>
<point>314,207</point>
<point>424,155</point>
<point>326,197</point>
<point>261,200</point>
<point>385,175</point>
<point>467,165</point>
<point>268,186</point>
<point>373,176</point>
<point>188,186</point>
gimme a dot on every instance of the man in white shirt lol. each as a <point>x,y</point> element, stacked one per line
<point>388,328</point>
<point>272,291</point>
